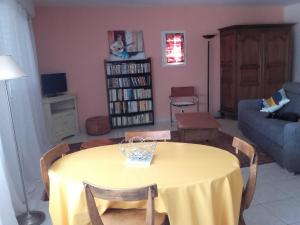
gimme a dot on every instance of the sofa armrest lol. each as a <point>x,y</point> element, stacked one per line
<point>250,104</point>
<point>291,146</point>
<point>245,106</point>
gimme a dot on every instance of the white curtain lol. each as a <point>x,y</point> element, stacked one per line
<point>28,5</point>
<point>16,39</point>
<point>6,214</point>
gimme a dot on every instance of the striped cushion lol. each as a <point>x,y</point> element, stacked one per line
<point>274,103</point>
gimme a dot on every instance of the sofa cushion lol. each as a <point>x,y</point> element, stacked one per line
<point>274,129</point>
<point>292,91</point>
<point>268,128</point>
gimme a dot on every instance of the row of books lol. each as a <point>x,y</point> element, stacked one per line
<point>127,68</point>
<point>120,121</point>
<point>128,82</point>
<point>129,94</point>
<point>130,107</point>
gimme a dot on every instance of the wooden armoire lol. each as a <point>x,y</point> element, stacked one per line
<point>255,62</point>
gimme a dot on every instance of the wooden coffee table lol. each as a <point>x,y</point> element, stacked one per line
<point>198,126</point>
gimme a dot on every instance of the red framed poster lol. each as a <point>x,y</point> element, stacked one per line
<point>173,48</point>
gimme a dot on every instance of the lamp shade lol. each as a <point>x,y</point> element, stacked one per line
<point>9,69</point>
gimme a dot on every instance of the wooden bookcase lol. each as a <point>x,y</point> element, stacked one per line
<point>129,92</point>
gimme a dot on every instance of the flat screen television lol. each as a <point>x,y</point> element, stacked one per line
<point>53,84</point>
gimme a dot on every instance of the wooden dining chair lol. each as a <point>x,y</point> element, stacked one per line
<point>47,160</point>
<point>96,143</point>
<point>159,135</point>
<point>249,189</point>
<point>124,216</point>
<point>181,97</point>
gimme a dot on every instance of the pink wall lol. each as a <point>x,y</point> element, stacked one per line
<point>74,40</point>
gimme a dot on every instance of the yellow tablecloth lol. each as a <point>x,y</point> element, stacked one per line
<point>197,184</point>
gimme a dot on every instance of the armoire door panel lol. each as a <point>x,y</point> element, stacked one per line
<point>228,98</point>
<point>277,44</point>
<point>248,92</point>
<point>227,41</point>
<point>226,71</point>
<point>275,68</point>
<point>228,101</point>
<point>249,47</point>
<point>227,55</point>
<point>249,58</point>
<point>249,76</point>
<point>271,90</point>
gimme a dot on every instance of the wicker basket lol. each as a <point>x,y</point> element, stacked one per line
<point>97,125</point>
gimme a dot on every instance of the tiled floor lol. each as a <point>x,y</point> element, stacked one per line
<point>277,196</point>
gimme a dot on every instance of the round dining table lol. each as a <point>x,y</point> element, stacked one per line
<point>197,184</point>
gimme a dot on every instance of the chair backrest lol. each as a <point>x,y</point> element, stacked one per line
<point>49,158</point>
<point>182,91</point>
<point>137,194</point>
<point>159,135</point>
<point>250,152</point>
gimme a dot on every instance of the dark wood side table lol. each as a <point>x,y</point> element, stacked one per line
<point>198,126</point>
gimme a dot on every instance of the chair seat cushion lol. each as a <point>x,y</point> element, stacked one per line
<point>182,103</point>
<point>129,217</point>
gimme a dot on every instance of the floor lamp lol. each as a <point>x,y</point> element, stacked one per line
<point>10,70</point>
<point>208,37</point>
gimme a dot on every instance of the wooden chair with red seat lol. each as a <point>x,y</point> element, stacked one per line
<point>182,97</point>
<point>47,160</point>
<point>159,135</point>
<point>249,189</point>
<point>124,216</point>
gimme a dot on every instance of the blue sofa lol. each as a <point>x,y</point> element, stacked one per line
<point>280,139</point>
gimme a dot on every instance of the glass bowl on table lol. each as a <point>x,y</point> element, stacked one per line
<point>138,151</point>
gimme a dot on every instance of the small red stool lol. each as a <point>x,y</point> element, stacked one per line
<point>96,143</point>
<point>97,125</point>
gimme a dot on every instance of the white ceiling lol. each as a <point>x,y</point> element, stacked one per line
<point>165,2</point>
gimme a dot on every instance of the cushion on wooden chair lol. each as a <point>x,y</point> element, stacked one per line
<point>182,97</point>
<point>129,217</point>
<point>182,103</point>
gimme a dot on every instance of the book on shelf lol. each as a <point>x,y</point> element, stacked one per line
<point>119,121</point>
<point>129,82</point>
<point>129,94</point>
<point>130,106</point>
<point>127,68</point>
